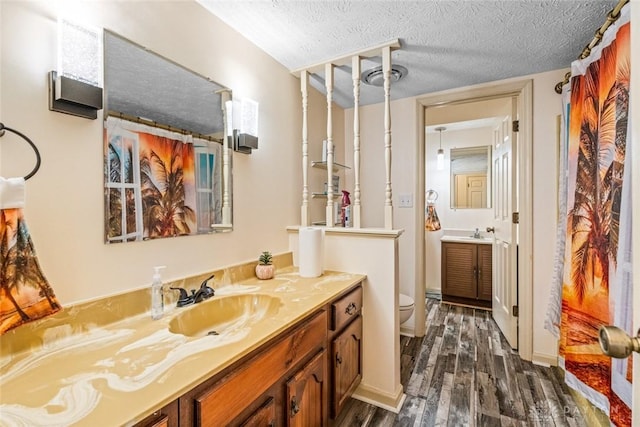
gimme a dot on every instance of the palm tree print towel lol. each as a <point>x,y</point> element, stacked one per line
<point>25,294</point>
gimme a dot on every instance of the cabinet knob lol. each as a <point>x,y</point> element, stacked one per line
<point>294,407</point>
<point>338,359</point>
<point>351,309</point>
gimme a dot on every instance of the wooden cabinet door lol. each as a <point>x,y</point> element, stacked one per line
<point>346,357</point>
<point>265,416</point>
<point>484,272</point>
<point>459,269</point>
<point>221,403</point>
<point>306,394</point>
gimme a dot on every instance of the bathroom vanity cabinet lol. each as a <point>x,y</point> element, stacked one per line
<point>243,393</point>
<point>466,273</point>
<point>289,381</point>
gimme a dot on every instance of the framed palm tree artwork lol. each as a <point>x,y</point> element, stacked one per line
<point>158,183</point>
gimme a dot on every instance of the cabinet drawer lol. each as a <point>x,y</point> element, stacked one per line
<point>226,399</point>
<point>264,416</point>
<point>165,417</point>
<point>346,308</point>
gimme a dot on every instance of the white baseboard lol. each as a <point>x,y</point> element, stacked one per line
<point>544,359</point>
<point>380,399</point>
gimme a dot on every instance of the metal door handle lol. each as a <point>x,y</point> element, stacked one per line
<point>491,229</point>
<point>615,342</point>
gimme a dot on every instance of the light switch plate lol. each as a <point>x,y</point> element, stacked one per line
<point>405,200</point>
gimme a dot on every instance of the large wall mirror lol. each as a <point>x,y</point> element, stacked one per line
<point>471,177</point>
<point>167,166</point>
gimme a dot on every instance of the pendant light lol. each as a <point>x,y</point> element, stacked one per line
<point>440,150</point>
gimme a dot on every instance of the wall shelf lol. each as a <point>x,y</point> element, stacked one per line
<point>323,165</point>
<point>322,195</point>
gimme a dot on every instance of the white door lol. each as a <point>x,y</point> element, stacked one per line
<point>504,179</point>
<point>477,191</point>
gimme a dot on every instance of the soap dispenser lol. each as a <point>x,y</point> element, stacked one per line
<point>157,297</point>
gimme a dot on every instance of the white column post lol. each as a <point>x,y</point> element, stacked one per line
<point>386,72</point>
<point>304,210</point>
<point>330,219</point>
<point>355,75</point>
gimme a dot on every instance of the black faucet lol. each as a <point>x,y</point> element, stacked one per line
<point>201,294</point>
<point>204,292</point>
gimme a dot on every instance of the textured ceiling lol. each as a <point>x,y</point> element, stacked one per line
<point>444,43</point>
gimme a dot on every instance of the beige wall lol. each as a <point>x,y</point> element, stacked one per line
<point>64,200</point>
<point>546,106</point>
<point>403,173</point>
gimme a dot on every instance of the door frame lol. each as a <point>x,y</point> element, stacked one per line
<point>524,90</point>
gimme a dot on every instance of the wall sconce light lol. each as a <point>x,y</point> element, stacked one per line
<point>440,150</point>
<point>76,87</point>
<point>243,127</point>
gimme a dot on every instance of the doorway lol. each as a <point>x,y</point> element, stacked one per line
<point>431,109</point>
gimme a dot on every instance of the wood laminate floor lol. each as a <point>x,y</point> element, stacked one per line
<point>464,373</point>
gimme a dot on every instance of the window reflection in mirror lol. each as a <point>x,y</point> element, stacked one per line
<point>166,167</point>
<point>471,177</point>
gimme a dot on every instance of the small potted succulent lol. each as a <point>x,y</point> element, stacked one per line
<point>265,268</point>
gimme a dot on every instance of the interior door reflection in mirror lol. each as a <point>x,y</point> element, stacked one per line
<point>471,177</point>
<point>166,164</point>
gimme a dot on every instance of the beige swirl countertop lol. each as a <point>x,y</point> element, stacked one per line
<point>119,372</point>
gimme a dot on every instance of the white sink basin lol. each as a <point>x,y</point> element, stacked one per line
<point>467,239</point>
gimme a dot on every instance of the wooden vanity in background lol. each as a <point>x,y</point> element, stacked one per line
<point>467,272</point>
<point>302,377</point>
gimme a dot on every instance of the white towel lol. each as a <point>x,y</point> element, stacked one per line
<point>12,193</point>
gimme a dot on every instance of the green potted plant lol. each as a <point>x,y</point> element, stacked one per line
<point>265,268</point>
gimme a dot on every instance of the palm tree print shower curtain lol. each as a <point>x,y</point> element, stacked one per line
<point>598,131</point>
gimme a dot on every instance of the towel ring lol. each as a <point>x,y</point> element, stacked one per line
<point>35,149</point>
<point>432,196</point>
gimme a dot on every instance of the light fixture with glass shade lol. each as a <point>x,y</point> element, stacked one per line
<point>76,86</point>
<point>440,150</point>
<point>242,117</point>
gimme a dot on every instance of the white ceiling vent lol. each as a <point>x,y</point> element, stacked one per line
<point>374,76</point>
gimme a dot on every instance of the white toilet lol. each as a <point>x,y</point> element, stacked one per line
<point>406,307</point>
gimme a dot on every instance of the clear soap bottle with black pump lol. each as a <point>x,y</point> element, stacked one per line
<point>157,297</point>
